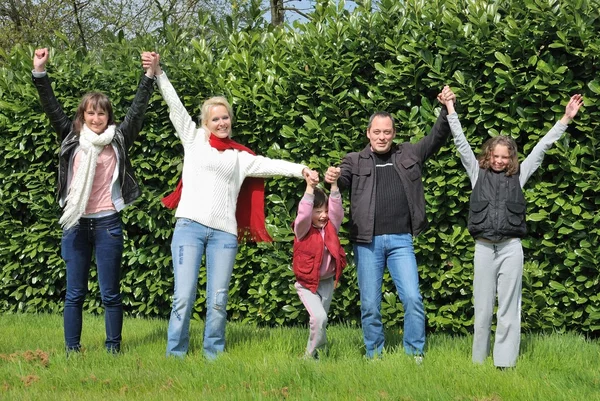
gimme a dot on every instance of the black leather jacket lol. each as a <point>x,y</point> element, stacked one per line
<point>125,134</point>
<point>358,174</point>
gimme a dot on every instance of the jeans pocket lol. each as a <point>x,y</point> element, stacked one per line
<point>115,232</point>
<point>70,231</point>
<point>183,222</point>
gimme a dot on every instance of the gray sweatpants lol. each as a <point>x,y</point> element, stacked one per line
<point>498,269</point>
<point>317,306</point>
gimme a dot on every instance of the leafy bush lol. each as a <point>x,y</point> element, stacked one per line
<point>304,93</point>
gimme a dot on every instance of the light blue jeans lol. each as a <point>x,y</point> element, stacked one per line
<point>397,253</point>
<point>191,240</point>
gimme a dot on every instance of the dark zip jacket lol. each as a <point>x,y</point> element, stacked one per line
<point>358,174</point>
<point>125,134</point>
<point>497,207</point>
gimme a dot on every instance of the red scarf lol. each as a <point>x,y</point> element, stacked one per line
<point>250,209</point>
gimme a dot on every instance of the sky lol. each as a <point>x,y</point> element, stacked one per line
<point>305,6</point>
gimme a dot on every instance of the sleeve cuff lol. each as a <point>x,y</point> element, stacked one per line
<point>308,198</point>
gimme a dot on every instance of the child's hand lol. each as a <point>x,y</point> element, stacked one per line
<point>332,175</point>
<point>312,179</point>
<point>572,108</point>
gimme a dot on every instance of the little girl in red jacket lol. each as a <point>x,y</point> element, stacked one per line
<point>318,258</point>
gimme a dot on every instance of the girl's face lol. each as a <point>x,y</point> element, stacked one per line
<point>500,157</point>
<point>219,121</point>
<point>320,216</point>
<point>95,119</point>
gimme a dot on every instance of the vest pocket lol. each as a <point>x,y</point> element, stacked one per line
<point>303,262</point>
<point>515,213</point>
<point>479,210</point>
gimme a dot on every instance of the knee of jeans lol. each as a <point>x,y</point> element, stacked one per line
<point>370,302</point>
<point>369,309</point>
<point>412,301</point>
<point>75,296</point>
<point>111,300</point>
<point>220,301</point>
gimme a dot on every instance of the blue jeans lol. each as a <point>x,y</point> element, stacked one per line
<point>104,237</point>
<point>190,241</point>
<point>397,252</point>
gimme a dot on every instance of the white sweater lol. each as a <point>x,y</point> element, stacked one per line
<point>212,179</point>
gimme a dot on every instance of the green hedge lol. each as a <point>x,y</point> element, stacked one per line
<point>304,93</point>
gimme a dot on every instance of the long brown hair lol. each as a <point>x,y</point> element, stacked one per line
<point>485,157</point>
<point>97,101</point>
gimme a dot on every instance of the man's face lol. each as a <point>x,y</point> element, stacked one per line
<point>381,134</point>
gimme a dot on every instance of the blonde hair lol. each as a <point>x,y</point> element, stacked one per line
<point>212,102</point>
<point>485,157</point>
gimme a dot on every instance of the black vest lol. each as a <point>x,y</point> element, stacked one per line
<point>497,207</point>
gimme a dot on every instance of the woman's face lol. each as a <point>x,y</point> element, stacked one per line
<point>95,119</point>
<point>219,121</point>
<point>500,158</point>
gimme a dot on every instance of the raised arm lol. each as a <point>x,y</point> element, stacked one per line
<point>336,209</point>
<point>59,120</point>
<point>429,145</point>
<point>305,208</point>
<point>185,126</point>
<point>345,178</point>
<point>150,63</point>
<point>132,123</point>
<point>40,58</point>
<point>467,157</point>
<point>332,176</point>
<point>535,158</point>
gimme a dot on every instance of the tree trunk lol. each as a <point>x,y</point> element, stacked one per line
<point>277,13</point>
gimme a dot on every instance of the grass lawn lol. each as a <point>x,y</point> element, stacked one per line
<point>266,364</point>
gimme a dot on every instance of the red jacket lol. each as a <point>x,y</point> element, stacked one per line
<point>308,255</point>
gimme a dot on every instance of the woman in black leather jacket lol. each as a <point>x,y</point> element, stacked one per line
<point>95,182</point>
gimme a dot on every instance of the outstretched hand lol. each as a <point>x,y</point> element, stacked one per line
<point>40,58</point>
<point>447,98</point>
<point>151,63</point>
<point>572,108</point>
<point>311,177</point>
<point>332,174</point>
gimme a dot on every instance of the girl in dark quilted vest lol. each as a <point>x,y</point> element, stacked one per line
<point>497,222</point>
<point>318,258</point>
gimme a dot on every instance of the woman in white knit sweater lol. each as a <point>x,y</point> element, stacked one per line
<point>214,169</point>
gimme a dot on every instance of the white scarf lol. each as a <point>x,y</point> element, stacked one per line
<point>91,144</point>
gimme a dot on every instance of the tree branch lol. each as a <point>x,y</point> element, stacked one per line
<point>296,10</point>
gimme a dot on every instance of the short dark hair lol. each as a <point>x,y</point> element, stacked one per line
<point>382,114</point>
<point>320,198</point>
